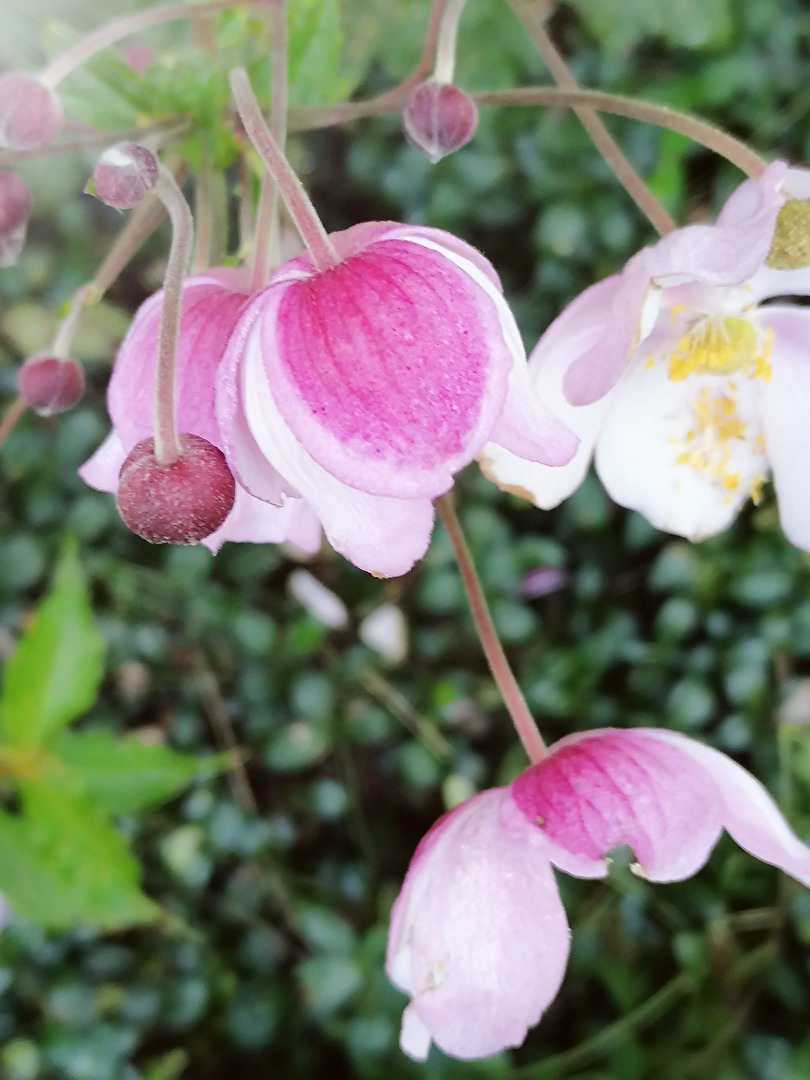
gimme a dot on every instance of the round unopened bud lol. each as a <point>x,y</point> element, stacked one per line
<point>439,118</point>
<point>50,384</point>
<point>179,503</point>
<point>15,210</point>
<point>124,174</point>
<point>790,247</point>
<point>30,112</point>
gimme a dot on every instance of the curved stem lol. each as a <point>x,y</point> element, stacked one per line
<point>490,642</point>
<point>397,94</point>
<point>115,31</point>
<point>308,117</point>
<point>167,443</point>
<point>446,45</point>
<point>299,204</point>
<point>267,217</point>
<point>610,150</point>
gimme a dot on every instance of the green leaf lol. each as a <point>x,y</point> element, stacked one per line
<point>315,53</point>
<point>123,776</point>
<point>54,675</point>
<point>62,862</point>
<point>620,25</point>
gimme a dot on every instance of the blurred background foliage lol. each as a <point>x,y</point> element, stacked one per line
<point>279,875</point>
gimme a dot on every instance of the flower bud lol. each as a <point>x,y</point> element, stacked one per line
<point>124,174</point>
<point>179,503</point>
<point>50,384</point>
<point>790,247</point>
<point>15,210</point>
<point>30,113</point>
<point>439,118</point>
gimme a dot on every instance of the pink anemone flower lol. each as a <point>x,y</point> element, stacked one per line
<point>682,383</point>
<point>367,386</point>
<point>478,936</point>
<point>211,306</point>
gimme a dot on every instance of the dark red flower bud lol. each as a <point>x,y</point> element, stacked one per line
<point>439,118</point>
<point>49,384</point>
<point>15,210</point>
<point>124,174</point>
<point>179,503</point>
<point>30,113</point>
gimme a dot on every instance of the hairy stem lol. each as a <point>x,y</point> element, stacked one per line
<point>298,203</point>
<point>490,642</point>
<point>627,176</point>
<point>167,442</point>
<point>308,117</point>
<point>267,216</point>
<point>446,45</point>
<point>122,28</point>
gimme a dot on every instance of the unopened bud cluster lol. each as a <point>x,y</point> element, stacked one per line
<point>49,384</point>
<point>125,173</point>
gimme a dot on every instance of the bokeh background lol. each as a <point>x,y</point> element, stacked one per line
<point>280,876</point>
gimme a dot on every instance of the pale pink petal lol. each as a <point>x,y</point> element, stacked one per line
<point>212,303</point>
<point>654,424</point>
<point>478,935</point>
<point>749,813</point>
<point>101,470</point>
<point>569,336</point>
<point>598,790</point>
<point>384,536</point>
<point>797,184</point>
<point>727,253</point>
<point>785,404</point>
<point>253,521</point>
<point>390,368</point>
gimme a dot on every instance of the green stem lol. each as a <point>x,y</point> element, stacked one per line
<point>490,642</point>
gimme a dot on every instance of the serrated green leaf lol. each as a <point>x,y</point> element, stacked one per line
<point>620,25</point>
<point>54,675</point>
<point>62,862</point>
<point>123,776</point>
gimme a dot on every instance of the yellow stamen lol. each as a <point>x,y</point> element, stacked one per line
<point>721,345</point>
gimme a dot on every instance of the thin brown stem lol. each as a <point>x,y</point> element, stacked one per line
<point>490,642</point>
<point>122,28</point>
<point>307,118</point>
<point>634,185</point>
<point>10,418</point>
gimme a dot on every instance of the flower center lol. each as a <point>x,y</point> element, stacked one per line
<point>715,435</point>
<point>721,345</point>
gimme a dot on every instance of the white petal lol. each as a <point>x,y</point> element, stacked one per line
<point>414,1037</point>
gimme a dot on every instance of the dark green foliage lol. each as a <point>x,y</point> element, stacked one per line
<point>270,962</point>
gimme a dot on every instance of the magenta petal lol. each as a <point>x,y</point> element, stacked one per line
<point>384,536</point>
<point>601,789</point>
<point>749,813</point>
<point>478,935</point>
<point>391,368</point>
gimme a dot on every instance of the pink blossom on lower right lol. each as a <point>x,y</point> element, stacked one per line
<point>478,936</point>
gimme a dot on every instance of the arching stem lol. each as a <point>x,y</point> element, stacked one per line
<point>634,185</point>
<point>167,443</point>
<point>445,64</point>
<point>490,642</point>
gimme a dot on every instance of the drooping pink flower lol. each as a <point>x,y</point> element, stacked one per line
<point>683,385</point>
<point>478,936</point>
<point>212,304</point>
<point>369,385</point>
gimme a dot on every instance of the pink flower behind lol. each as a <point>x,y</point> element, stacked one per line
<point>369,385</point>
<point>478,937</point>
<point>212,304</point>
